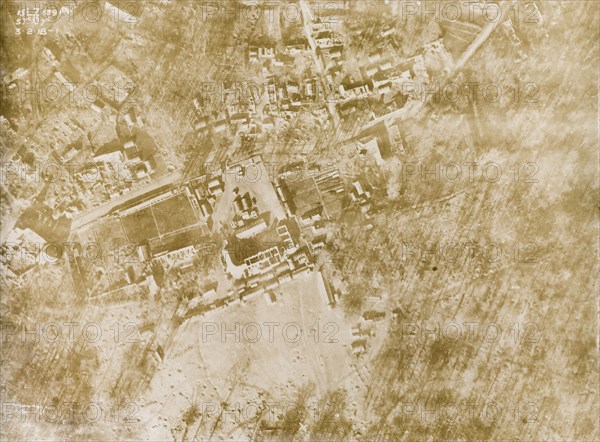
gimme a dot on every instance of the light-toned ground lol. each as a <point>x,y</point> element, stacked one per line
<point>235,354</point>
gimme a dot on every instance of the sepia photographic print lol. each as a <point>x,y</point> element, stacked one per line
<point>299,220</point>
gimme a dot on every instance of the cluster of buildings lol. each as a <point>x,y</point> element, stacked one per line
<point>380,74</point>
<point>123,153</point>
<point>100,138</point>
<point>163,229</point>
<point>55,75</point>
<point>116,167</point>
<point>361,195</point>
<point>313,195</point>
<point>266,248</point>
<point>93,146</point>
<point>390,79</point>
<point>248,109</point>
<point>271,239</point>
<point>364,329</point>
<point>268,57</point>
<point>38,237</point>
<point>168,225</point>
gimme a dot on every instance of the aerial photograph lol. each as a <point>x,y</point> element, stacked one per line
<point>299,220</point>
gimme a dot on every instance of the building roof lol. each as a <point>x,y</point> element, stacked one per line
<point>251,229</point>
<point>159,218</point>
<point>39,219</point>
